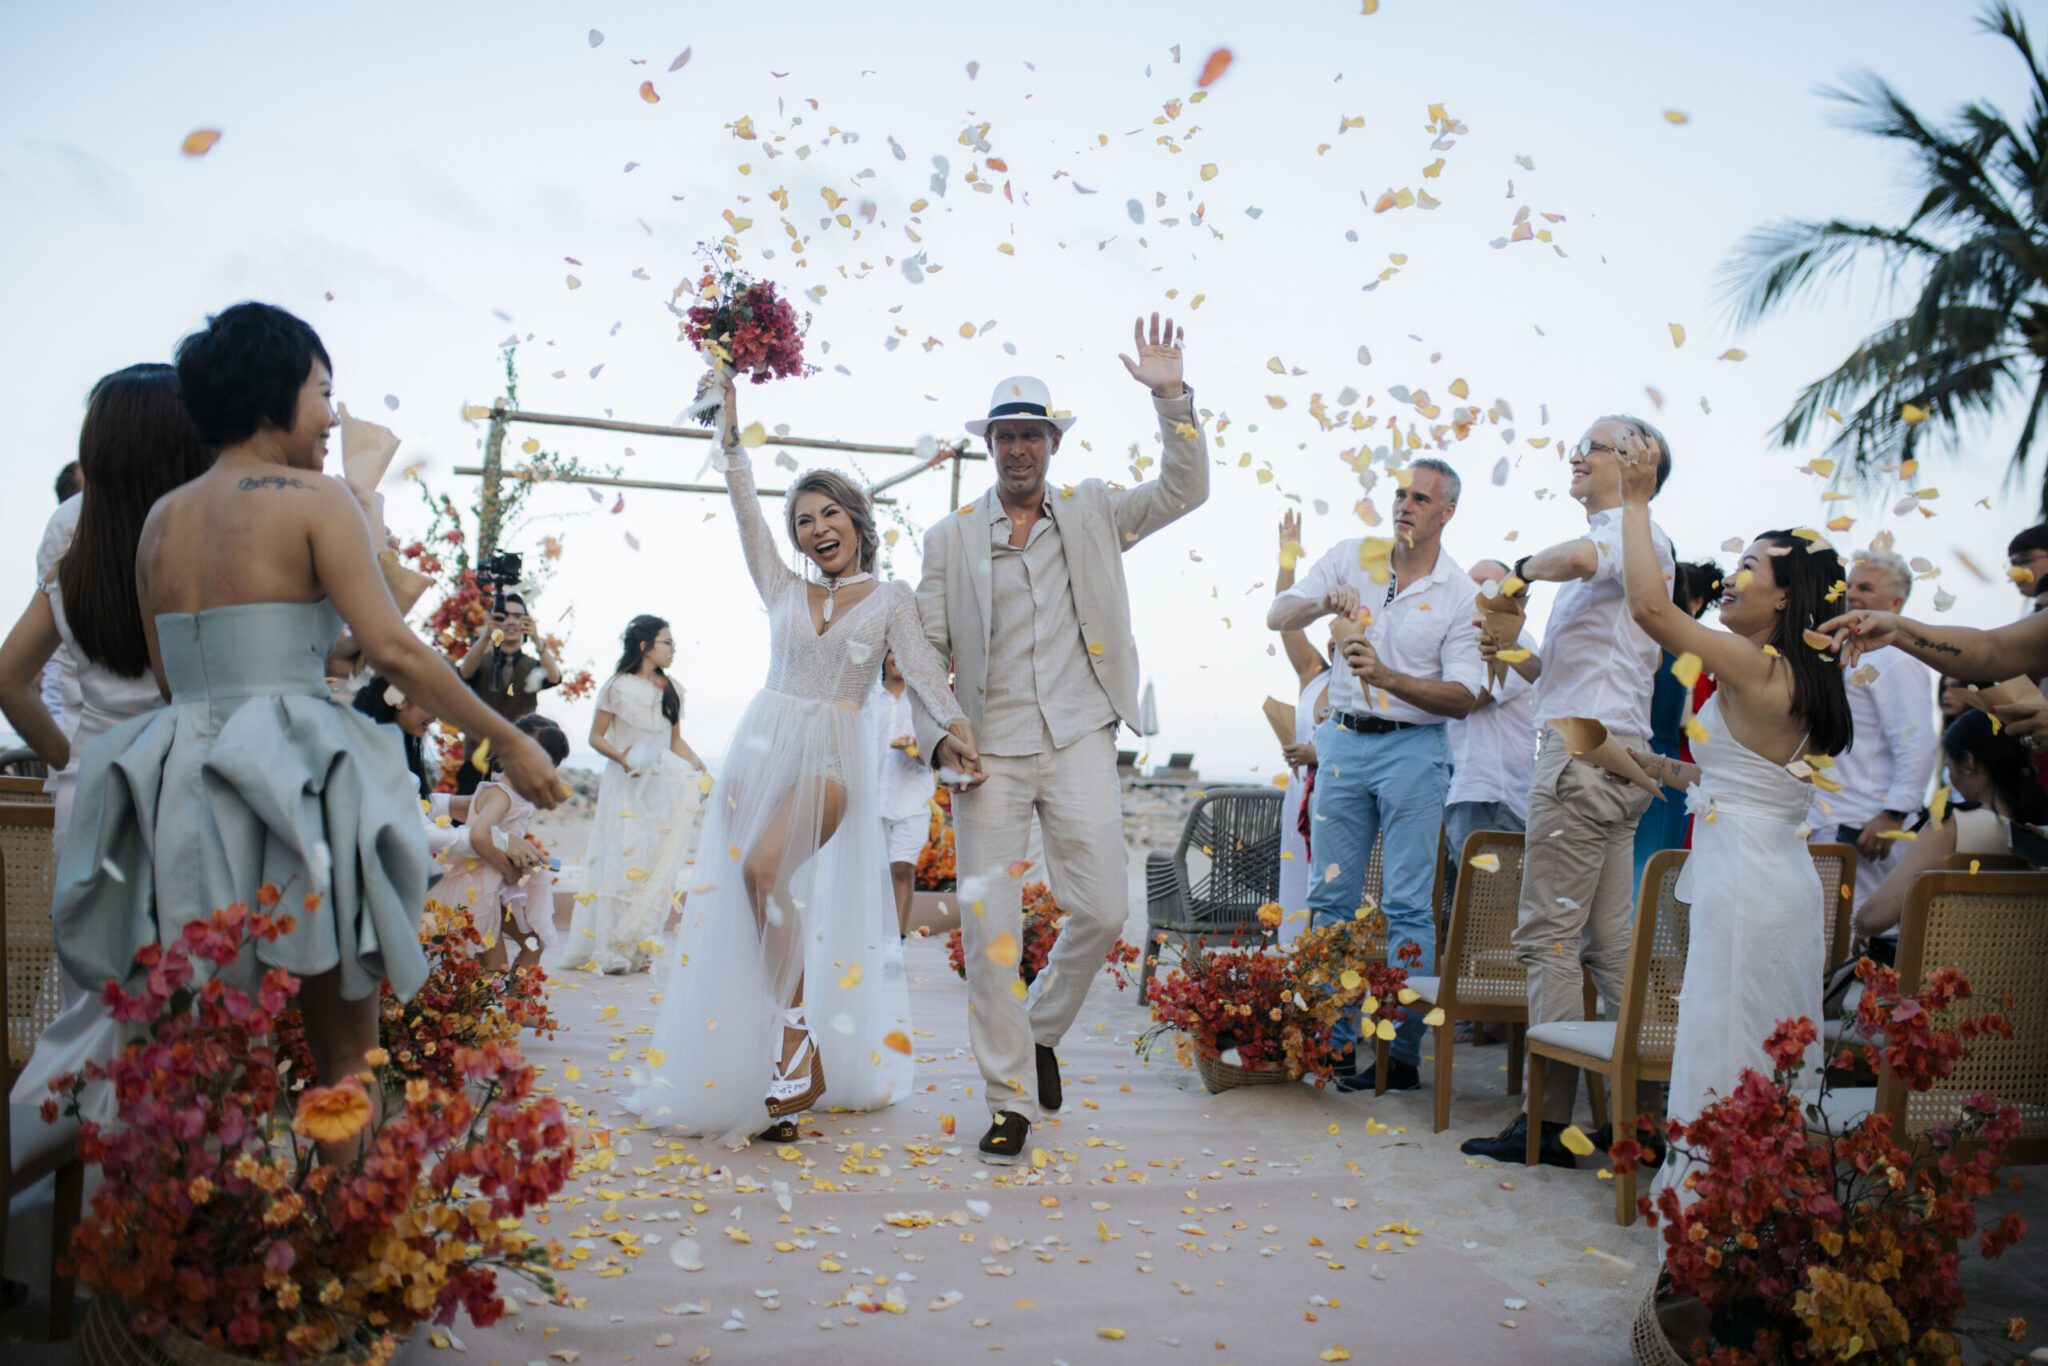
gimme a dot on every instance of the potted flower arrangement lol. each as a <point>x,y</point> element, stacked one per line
<point>1795,1240</point>
<point>219,1235</point>
<point>1042,921</point>
<point>1248,1016</point>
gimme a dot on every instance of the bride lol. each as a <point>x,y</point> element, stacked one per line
<point>786,986</point>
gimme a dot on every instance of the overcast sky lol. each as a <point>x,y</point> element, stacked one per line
<point>423,183</point>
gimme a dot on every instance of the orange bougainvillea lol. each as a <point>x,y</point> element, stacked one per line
<point>937,868</point>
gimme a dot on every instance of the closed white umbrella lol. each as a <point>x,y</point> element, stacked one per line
<point>1148,712</point>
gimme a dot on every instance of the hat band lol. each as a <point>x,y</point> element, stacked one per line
<point>1018,410</point>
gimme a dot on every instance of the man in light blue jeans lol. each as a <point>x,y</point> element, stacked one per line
<point>1411,663</point>
<point>1390,784</point>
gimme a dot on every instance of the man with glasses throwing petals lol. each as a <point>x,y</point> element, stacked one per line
<point>1579,868</point>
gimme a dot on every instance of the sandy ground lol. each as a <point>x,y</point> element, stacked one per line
<point>1267,1224</point>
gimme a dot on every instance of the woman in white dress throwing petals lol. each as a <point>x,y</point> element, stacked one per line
<point>786,989</point>
<point>646,810</point>
<point>1755,953</point>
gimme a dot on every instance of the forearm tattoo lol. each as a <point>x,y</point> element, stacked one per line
<point>1936,646</point>
<point>269,481</point>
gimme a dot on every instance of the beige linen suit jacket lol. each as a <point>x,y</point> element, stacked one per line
<point>1096,524</point>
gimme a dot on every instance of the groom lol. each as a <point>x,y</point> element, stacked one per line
<point>1024,590</point>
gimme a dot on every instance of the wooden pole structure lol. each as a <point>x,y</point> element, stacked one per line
<point>493,473</point>
<point>657,485</point>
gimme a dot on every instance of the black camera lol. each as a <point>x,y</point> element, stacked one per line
<point>498,571</point>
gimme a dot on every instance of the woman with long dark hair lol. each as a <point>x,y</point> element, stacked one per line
<point>1993,785</point>
<point>1755,954</point>
<point>796,911</point>
<point>137,444</point>
<point>647,802</point>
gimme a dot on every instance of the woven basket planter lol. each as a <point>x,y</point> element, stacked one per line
<point>1218,1075</point>
<point>106,1338</point>
<point>1648,1343</point>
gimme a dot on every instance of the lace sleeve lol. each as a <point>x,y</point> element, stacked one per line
<point>920,664</point>
<point>757,538</point>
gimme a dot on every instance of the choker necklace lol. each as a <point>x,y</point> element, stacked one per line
<point>832,586</point>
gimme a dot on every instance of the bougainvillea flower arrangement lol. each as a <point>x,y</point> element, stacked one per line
<point>745,325</point>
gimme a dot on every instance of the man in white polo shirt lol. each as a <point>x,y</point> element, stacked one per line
<point>1382,759</point>
<point>1884,774</point>
<point>1493,750</point>
<point>1579,868</point>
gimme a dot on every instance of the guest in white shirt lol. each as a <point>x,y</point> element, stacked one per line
<point>906,787</point>
<point>1578,876</point>
<point>1884,774</point>
<point>1493,749</point>
<point>1383,764</point>
<point>59,681</point>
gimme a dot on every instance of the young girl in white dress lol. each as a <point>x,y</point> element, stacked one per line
<point>647,804</point>
<point>1755,952</point>
<point>785,987</point>
<point>506,890</point>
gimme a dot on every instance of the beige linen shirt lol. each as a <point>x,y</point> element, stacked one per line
<point>1039,681</point>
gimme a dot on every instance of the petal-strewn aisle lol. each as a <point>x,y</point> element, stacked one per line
<point>1269,1224</point>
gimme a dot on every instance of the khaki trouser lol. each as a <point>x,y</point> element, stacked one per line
<point>1578,895</point>
<point>1079,803</point>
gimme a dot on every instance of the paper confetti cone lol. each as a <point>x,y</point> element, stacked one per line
<point>1280,716</point>
<point>1588,740</point>
<point>1500,618</point>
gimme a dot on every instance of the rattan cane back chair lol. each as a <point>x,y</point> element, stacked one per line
<point>1226,866</point>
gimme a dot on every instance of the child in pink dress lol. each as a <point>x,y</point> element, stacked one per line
<point>493,879</point>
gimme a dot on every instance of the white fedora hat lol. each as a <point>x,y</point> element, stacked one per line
<point>1019,396</point>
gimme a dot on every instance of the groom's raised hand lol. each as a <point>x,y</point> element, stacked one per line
<point>1158,366</point>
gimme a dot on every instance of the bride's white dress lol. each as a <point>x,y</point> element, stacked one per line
<point>1756,951</point>
<point>806,739</point>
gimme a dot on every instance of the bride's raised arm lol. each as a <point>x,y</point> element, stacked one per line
<point>757,539</point>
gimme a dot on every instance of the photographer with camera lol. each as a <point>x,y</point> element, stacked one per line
<point>498,668</point>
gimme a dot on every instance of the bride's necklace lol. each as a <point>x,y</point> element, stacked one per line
<point>832,587</point>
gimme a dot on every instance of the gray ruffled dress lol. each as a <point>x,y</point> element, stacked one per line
<point>251,775</point>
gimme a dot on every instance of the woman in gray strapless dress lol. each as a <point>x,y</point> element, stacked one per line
<point>252,775</point>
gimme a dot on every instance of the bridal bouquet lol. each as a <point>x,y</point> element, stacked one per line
<point>745,327</point>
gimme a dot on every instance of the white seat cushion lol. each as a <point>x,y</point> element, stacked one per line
<point>1847,1105</point>
<point>1594,1038</point>
<point>1425,987</point>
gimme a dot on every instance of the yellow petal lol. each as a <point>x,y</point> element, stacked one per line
<point>1939,806</point>
<point>1434,1018</point>
<point>1384,1030</point>
<point>1002,950</point>
<point>1575,1141</point>
<point>1487,863</point>
<point>1696,730</point>
<point>1678,334</point>
<point>1686,668</point>
<point>1113,1334</point>
<point>851,977</point>
<point>1350,980</point>
<point>1912,414</point>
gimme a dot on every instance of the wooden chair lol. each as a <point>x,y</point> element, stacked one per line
<point>28,999</point>
<point>17,789</point>
<point>1836,864</point>
<point>1480,979</point>
<point>1636,1045</point>
<point>1375,888</point>
<point>1232,836</point>
<point>1987,863</point>
<point>1994,928</point>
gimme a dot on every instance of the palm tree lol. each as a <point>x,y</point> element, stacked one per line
<point>1977,336</point>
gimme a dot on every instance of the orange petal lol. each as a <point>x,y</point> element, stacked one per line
<point>1213,69</point>
<point>200,143</point>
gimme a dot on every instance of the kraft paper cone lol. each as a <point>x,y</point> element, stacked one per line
<point>366,452</point>
<point>1588,740</point>
<point>1501,618</point>
<point>2021,689</point>
<point>406,583</point>
<point>1280,716</point>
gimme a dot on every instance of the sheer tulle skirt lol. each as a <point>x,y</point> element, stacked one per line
<point>826,917</point>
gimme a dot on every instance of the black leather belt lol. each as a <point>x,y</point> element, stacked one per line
<point>1371,725</point>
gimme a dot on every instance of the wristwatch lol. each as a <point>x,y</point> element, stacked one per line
<point>1899,816</point>
<point>1518,567</point>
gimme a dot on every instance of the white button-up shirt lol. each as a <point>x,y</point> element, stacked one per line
<point>1887,767</point>
<point>906,783</point>
<point>1425,632</point>
<point>1597,662</point>
<point>1493,750</point>
<point>1040,681</point>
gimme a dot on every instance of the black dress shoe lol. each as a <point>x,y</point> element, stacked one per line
<point>1048,1081</point>
<point>1003,1144</point>
<point>1401,1076</point>
<point>1512,1145</point>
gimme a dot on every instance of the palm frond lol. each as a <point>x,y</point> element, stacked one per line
<point>1774,262</point>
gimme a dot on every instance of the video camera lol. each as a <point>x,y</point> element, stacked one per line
<point>498,571</point>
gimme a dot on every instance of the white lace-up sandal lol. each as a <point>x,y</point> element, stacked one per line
<point>799,1084</point>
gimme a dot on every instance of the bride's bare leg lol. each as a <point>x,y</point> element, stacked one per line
<point>765,874</point>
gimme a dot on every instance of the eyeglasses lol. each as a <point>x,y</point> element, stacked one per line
<point>1587,445</point>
